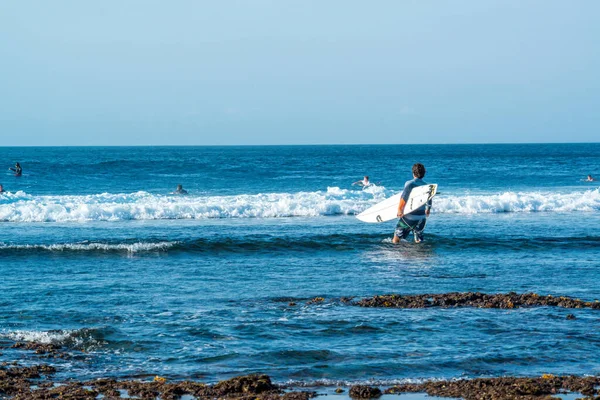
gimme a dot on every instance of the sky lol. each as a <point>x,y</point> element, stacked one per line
<point>144,72</point>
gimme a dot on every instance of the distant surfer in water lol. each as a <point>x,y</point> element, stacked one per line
<point>416,220</point>
<point>590,179</point>
<point>364,182</point>
<point>17,169</point>
<point>1,189</point>
<point>180,190</point>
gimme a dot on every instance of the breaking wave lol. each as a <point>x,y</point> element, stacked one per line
<point>81,339</point>
<point>520,202</point>
<point>92,246</point>
<point>22,207</point>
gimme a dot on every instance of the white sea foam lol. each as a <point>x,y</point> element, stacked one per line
<point>58,337</point>
<point>22,207</point>
<point>520,202</point>
<point>126,247</point>
<point>85,338</point>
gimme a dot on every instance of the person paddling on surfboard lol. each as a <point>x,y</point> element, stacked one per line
<point>17,169</point>
<point>416,220</point>
<point>364,183</point>
<point>180,190</point>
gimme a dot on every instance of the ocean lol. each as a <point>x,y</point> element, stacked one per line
<point>97,255</point>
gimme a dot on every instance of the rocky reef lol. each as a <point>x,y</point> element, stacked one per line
<point>466,299</point>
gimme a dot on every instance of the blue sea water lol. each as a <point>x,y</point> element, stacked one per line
<point>96,255</point>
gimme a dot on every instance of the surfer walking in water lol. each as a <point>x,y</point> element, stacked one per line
<point>416,220</point>
<point>17,169</point>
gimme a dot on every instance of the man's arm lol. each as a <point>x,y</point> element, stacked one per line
<point>400,213</point>
<point>403,198</point>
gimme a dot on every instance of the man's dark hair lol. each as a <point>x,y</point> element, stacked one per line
<point>418,170</point>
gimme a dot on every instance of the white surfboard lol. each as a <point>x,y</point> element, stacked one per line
<point>388,209</point>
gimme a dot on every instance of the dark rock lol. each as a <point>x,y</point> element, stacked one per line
<point>474,299</point>
<point>503,388</point>
<point>48,349</point>
<point>298,395</point>
<point>364,392</point>
<point>249,384</point>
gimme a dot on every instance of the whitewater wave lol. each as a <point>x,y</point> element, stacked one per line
<point>85,338</point>
<point>22,207</point>
<point>520,202</point>
<point>57,337</point>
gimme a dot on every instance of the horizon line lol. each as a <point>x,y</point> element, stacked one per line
<point>303,145</point>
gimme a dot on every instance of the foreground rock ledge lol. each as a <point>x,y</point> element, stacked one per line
<point>34,383</point>
<point>544,387</point>
<point>475,299</point>
<point>22,383</point>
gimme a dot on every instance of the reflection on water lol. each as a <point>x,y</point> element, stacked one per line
<point>404,254</point>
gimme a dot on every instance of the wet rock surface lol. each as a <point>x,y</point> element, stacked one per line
<point>545,387</point>
<point>364,392</point>
<point>15,380</point>
<point>32,383</point>
<point>316,300</point>
<point>47,349</point>
<point>475,299</point>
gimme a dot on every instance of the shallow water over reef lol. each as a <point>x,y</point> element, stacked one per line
<point>97,256</point>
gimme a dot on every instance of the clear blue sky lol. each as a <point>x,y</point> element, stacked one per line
<point>141,72</point>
